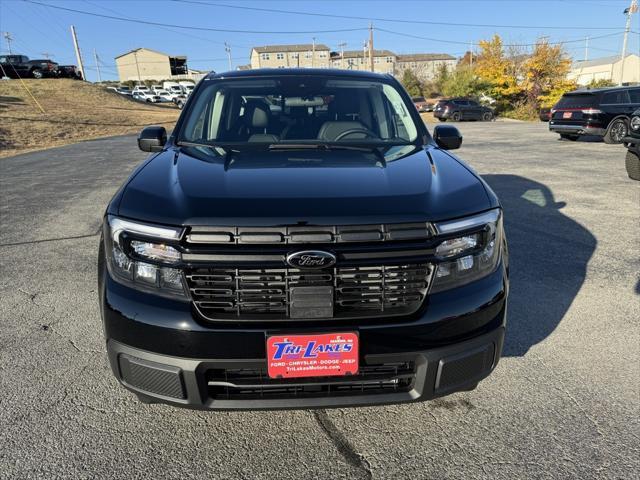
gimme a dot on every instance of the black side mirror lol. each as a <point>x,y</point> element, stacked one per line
<point>447,137</point>
<point>152,139</point>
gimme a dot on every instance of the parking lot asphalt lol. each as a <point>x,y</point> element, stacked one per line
<point>564,402</point>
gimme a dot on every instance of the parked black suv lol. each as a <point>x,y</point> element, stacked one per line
<point>600,111</point>
<point>19,66</point>
<point>457,109</point>
<point>300,240</point>
<point>632,142</point>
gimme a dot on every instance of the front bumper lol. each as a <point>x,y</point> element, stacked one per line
<point>159,348</point>
<point>577,129</point>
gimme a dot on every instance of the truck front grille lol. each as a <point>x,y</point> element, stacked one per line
<point>347,292</point>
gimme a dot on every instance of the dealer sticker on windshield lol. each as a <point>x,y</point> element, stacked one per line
<point>322,355</point>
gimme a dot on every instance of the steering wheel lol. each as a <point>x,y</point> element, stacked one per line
<point>351,131</point>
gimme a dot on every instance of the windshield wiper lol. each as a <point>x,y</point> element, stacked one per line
<point>328,147</point>
<point>227,150</point>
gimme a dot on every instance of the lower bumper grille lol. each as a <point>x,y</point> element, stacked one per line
<point>344,292</point>
<point>248,384</point>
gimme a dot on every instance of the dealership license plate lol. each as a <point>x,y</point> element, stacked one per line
<point>567,114</point>
<point>321,355</point>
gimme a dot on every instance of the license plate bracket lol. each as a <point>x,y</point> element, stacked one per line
<point>313,355</point>
<point>567,114</point>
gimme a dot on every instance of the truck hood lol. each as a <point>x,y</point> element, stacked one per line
<point>187,186</point>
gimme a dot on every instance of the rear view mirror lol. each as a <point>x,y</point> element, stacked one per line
<point>152,139</point>
<point>447,137</point>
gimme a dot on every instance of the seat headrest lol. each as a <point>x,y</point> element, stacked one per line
<point>257,114</point>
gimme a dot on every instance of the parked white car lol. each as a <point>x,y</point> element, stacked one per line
<point>148,97</point>
<point>156,88</point>
<point>165,96</point>
<point>141,88</point>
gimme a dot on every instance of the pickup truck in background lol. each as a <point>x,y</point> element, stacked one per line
<point>19,66</point>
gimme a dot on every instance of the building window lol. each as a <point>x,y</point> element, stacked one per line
<point>308,54</point>
<point>295,55</point>
<point>322,54</point>
<point>389,59</point>
<point>350,62</point>
<point>280,56</point>
<point>376,60</point>
<point>264,56</point>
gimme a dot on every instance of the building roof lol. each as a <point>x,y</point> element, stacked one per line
<point>303,47</point>
<point>360,53</point>
<point>596,62</point>
<point>150,50</point>
<point>423,57</point>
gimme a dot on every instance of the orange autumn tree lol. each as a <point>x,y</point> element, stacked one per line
<point>496,69</point>
<point>545,75</point>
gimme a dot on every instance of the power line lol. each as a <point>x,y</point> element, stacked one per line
<point>191,27</point>
<point>393,20</point>
<point>504,45</point>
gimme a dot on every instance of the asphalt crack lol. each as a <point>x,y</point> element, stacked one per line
<point>57,239</point>
<point>342,444</point>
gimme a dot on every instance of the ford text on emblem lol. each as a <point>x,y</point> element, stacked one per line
<point>311,259</point>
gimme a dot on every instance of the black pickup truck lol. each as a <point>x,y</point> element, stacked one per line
<point>19,66</point>
<point>301,240</point>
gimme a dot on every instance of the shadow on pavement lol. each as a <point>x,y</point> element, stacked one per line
<point>549,253</point>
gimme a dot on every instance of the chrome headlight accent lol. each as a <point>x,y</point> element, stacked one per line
<point>635,123</point>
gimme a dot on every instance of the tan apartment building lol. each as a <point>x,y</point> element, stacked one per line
<point>146,64</point>
<point>291,56</point>
<point>606,68</point>
<point>383,60</point>
<point>425,65</point>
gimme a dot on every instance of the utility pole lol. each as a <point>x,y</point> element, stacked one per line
<point>227,48</point>
<point>633,8</point>
<point>313,52</point>
<point>8,38</point>
<point>371,46</point>
<point>77,49</point>
<point>342,45</point>
<point>135,56</point>
<point>470,54</point>
<point>95,57</point>
<point>47,55</point>
<point>364,55</point>
<point>586,49</point>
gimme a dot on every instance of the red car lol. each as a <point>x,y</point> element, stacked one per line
<point>421,104</point>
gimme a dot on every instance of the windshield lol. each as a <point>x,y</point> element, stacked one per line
<point>299,109</point>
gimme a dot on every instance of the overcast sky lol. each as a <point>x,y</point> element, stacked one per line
<point>39,28</point>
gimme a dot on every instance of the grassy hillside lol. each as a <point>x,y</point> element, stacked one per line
<point>74,111</point>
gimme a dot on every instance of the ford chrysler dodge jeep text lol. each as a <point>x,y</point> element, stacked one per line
<point>301,240</point>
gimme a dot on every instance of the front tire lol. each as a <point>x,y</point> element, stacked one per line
<point>487,116</point>
<point>617,130</point>
<point>632,164</point>
<point>455,117</point>
<point>37,73</point>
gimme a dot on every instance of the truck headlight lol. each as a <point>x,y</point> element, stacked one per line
<point>635,123</point>
<point>140,256</point>
<point>471,255</point>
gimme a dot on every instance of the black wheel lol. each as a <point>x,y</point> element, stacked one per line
<point>148,101</point>
<point>617,130</point>
<point>487,116</point>
<point>37,73</point>
<point>632,164</point>
<point>456,117</point>
<point>567,136</point>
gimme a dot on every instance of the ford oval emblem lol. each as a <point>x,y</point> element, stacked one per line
<point>311,259</point>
